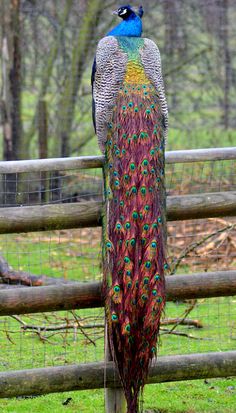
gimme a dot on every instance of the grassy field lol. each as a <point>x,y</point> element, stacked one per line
<point>214,396</point>
<point>210,396</point>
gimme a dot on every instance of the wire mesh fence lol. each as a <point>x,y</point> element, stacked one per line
<point>194,246</point>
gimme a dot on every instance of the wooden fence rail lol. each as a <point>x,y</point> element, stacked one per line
<point>88,162</point>
<point>88,214</point>
<point>92,375</point>
<point>88,295</point>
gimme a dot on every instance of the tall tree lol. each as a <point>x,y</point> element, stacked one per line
<point>80,53</point>
<point>11,80</point>
<point>224,37</point>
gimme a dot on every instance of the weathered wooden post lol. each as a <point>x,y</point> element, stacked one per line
<point>114,398</point>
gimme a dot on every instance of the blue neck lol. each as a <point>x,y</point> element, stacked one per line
<point>132,27</point>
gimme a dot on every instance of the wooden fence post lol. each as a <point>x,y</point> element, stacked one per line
<point>114,398</point>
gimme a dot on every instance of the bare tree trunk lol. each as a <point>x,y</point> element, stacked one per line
<point>43,146</point>
<point>11,92</point>
<point>48,69</point>
<point>224,37</point>
<point>66,106</point>
<point>175,42</point>
<point>11,80</point>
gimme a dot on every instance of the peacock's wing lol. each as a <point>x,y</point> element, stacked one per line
<point>93,101</point>
<point>151,60</point>
<point>108,76</point>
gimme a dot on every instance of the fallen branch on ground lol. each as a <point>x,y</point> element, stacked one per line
<point>8,276</point>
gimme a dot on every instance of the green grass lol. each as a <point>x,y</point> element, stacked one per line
<point>79,260</point>
<point>215,396</point>
<point>27,351</point>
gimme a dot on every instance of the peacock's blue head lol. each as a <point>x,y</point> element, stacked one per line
<point>125,12</point>
<point>131,24</point>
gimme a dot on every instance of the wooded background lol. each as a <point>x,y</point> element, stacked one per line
<point>47,48</point>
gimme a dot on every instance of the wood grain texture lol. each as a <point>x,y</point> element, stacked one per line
<point>91,376</point>
<point>88,295</point>
<point>54,164</point>
<point>89,162</point>
<point>215,204</point>
<point>50,217</point>
<point>88,214</point>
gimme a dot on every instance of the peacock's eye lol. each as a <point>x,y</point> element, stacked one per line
<point>128,328</point>
<point>132,242</point>
<point>117,289</point>
<point>114,317</point>
<point>135,215</point>
<point>148,264</point>
<point>122,12</point>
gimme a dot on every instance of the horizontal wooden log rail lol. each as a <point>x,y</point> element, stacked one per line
<point>88,214</point>
<point>50,217</point>
<point>91,376</point>
<point>88,295</point>
<point>88,162</point>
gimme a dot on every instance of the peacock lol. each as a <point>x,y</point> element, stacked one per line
<point>131,120</point>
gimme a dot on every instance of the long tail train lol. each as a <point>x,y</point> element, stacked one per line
<point>135,233</point>
<point>131,124</point>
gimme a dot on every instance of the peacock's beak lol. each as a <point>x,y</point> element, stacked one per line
<point>115,12</point>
